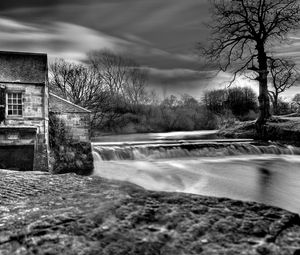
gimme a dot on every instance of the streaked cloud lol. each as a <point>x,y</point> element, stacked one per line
<point>58,39</point>
<point>159,34</point>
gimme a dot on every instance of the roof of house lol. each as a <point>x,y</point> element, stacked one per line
<point>61,105</point>
<point>23,67</point>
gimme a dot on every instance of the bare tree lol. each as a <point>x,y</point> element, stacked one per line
<point>296,101</point>
<point>121,75</point>
<point>168,109</point>
<point>74,82</point>
<point>112,69</point>
<point>214,101</point>
<point>81,85</point>
<point>243,31</point>
<point>283,76</point>
<point>135,89</point>
<point>107,84</point>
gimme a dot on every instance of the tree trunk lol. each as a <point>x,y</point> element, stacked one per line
<point>275,105</point>
<point>263,98</point>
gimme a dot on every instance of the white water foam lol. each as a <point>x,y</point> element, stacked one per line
<point>271,178</point>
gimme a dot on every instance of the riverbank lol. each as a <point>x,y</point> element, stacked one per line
<point>70,214</point>
<point>284,129</point>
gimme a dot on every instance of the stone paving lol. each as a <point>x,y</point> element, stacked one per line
<point>69,214</point>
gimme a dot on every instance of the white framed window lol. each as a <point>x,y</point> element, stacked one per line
<point>15,104</point>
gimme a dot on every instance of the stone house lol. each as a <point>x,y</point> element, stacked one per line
<point>76,118</point>
<point>24,112</point>
<point>72,153</point>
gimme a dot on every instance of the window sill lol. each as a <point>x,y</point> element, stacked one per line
<point>14,117</point>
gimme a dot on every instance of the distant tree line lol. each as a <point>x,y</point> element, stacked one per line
<point>115,89</point>
<point>240,101</point>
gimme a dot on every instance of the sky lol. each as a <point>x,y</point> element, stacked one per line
<point>159,34</point>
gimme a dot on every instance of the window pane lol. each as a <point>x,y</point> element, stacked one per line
<point>14,104</point>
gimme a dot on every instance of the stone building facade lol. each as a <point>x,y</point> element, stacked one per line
<point>24,120</point>
<point>76,118</point>
<point>23,111</point>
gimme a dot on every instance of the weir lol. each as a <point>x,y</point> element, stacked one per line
<point>239,169</point>
<point>183,149</point>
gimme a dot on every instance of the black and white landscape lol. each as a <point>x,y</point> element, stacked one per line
<point>150,127</point>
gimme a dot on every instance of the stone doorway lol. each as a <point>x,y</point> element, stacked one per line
<point>17,157</point>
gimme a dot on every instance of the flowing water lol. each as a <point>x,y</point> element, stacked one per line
<point>196,162</point>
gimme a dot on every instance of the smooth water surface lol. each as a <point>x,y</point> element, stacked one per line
<point>191,135</point>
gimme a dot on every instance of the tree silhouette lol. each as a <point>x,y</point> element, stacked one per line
<point>296,100</point>
<point>283,76</point>
<point>242,32</point>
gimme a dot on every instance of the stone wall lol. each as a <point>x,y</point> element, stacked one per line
<point>34,102</point>
<point>70,145</point>
<point>69,133</point>
<point>78,127</point>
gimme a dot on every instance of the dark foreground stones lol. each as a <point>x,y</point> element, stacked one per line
<point>69,214</point>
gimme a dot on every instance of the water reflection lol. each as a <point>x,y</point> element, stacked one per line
<point>266,182</point>
<point>265,178</point>
<point>191,135</point>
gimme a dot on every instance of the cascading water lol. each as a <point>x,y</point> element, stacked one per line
<point>184,149</point>
<point>239,169</point>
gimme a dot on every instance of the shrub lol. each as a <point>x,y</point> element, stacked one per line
<point>67,155</point>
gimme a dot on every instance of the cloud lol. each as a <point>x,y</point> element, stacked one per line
<point>71,41</point>
<point>15,4</point>
<point>58,39</point>
<point>179,81</point>
<point>179,74</point>
<point>9,25</point>
<point>160,35</point>
<point>168,24</point>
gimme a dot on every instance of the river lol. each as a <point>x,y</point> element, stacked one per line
<point>198,163</point>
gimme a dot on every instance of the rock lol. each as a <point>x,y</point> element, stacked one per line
<point>71,214</point>
<point>79,164</point>
<point>72,157</point>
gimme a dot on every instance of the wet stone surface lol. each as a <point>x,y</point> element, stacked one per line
<point>69,214</point>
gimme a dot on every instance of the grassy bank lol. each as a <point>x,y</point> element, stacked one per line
<point>284,129</point>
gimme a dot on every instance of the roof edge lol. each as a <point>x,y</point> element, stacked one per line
<point>23,53</point>
<point>68,102</point>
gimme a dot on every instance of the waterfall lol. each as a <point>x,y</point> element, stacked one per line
<point>222,168</point>
<point>187,149</point>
